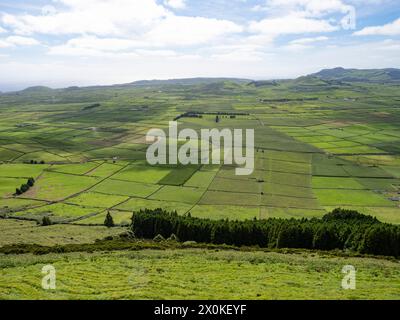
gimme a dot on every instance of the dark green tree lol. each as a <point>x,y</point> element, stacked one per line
<point>30,182</point>
<point>325,238</point>
<point>342,230</point>
<point>24,188</point>
<point>109,221</point>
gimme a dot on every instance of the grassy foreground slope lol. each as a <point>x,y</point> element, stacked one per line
<point>197,274</point>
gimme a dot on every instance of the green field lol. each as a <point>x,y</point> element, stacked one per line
<point>319,145</point>
<point>310,154</point>
<point>16,231</point>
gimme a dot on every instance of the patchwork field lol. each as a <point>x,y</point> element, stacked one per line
<point>317,147</point>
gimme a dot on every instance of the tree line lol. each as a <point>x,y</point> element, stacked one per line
<point>340,229</point>
<point>25,187</point>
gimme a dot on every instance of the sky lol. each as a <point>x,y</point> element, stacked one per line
<point>61,43</point>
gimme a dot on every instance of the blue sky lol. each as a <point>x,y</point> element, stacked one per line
<point>62,43</point>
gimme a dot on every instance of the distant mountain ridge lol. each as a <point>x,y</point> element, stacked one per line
<point>139,83</point>
<point>325,76</point>
<point>359,75</point>
<point>185,81</point>
<point>37,89</point>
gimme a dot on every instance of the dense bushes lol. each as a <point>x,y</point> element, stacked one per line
<point>341,229</point>
<point>46,221</point>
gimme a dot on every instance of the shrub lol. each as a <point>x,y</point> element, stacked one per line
<point>46,221</point>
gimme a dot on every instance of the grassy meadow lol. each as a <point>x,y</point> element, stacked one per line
<point>197,274</point>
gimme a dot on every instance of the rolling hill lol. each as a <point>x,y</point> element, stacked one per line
<point>359,75</point>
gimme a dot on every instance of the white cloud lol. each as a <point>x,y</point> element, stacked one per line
<point>311,7</point>
<point>182,31</point>
<point>175,4</point>
<point>13,41</point>
<point>5,44</point>
<point>303,43</point>
<point>237,51</point>
<point>239,56</point>
<point>120,41</point>
<point>171,32</point>
<point>258,8</point>
<point>113,25</point>
<point>100,17</point>
<point>92,44</point>
<point>309,40</point>
<point>303,16</point>
<point>48,10</point>
<point>296,47</point>
<point>389,44</point>
<point>291,24</point>
<point>22,41</point>
<point>2,30</point>
<point>157,53</point>
<point>390,29</point>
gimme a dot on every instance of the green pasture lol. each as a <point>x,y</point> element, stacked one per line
<point>225,212</point>
<point>126,188</point>
<point>178,194</point>
<point>143,173</point>
<point>336,197</point>
<point>58,212</point>
<point>57,186</point>
<point>136,204</point>
<point>95,199</point>
<point>18,231</point>
<point>21,170</point>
